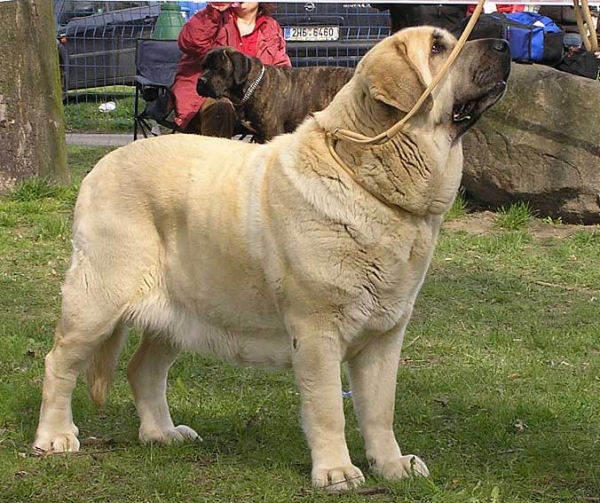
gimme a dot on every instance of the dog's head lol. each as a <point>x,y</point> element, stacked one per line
<point>398,69</point>
<point>420,168</point>
<point>224,74</point>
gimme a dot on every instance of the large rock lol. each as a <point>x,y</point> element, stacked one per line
<point>540,144</point>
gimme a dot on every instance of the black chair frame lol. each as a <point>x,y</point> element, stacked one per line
<point>156,65</point>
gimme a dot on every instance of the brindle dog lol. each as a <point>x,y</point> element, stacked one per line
<point>272,99</point>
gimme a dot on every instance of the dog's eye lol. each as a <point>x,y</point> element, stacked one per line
<point>437,48</point>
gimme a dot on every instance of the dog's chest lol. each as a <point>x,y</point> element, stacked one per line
<point>384,276</point>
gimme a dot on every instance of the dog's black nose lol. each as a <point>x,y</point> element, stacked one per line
<point>202,88</point>
<point>500,45</point>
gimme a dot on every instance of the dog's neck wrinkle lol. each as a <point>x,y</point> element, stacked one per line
<point>362,114</point>
<point>403,177</point>
<point>395,172</point>
<point>237,93</point>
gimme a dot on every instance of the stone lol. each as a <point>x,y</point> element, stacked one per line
<point>540,144</point>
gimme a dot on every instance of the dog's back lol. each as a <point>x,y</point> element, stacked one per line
<point>315,87</point>
<point>293,94</point>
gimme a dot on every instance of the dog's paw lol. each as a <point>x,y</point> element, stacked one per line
<point>402,467</point>
<point>179,433</point>
<point>340,478</point>
<point>48,440</point>
<point>187,433</point>
<point>61,442</point>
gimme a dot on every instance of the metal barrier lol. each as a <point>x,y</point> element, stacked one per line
<point>96,45</point>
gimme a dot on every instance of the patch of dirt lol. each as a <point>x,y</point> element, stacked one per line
<point>483,222</point>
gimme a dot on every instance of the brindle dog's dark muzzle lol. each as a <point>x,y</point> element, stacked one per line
<point>203,89</point>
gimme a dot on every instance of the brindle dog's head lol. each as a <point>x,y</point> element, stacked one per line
<point>224,74</point>
<point>399,69</point>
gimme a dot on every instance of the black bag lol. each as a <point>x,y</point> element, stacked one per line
<point>448,17</point>
<point>581,62</point>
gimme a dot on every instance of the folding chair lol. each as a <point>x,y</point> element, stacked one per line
<point>155,67</point>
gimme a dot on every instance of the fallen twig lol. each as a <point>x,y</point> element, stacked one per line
<point>554,285</point>
<point>580,289</point>
<point>370,491</point>
<point>411,343</point>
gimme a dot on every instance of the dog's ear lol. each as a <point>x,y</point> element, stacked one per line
<point>241,66</point>
<point>394,79</point>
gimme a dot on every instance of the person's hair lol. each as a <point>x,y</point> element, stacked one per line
<point>266,9</point>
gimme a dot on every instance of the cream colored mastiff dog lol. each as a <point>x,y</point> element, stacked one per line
<point>274,254</point>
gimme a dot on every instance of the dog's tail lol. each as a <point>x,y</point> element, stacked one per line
<point>102,365</point>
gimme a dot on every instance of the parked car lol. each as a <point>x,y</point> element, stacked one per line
<point>96,40</point>
<point>328,34</point>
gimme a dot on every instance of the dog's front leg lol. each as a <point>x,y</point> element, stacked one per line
<point>316,360</point>
<point>373,375</point>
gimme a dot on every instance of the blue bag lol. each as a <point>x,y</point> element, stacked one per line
<point>532,38</point>
<point>527,32</point>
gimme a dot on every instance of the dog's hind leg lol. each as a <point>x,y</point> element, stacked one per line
<point>147,374</point>
<point>96,294</point>
<point>78,334</point>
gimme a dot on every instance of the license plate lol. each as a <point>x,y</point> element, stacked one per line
<point>311,33</point>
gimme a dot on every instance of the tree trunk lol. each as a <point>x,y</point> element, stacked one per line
<point>32,133</point>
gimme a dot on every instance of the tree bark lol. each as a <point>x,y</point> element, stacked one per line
<point>32,133</point>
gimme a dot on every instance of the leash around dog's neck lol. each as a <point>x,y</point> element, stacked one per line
<point>252,87</point>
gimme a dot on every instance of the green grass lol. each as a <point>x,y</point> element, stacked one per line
<point>498,387</point>
<point>514,216</point>
<point>82,113</point>
<point>458,209</point>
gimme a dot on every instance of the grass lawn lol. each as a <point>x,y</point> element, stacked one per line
<point>499,382</point>
<point>83,115</point>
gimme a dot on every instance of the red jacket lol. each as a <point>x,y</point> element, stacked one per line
<point>206,30</point>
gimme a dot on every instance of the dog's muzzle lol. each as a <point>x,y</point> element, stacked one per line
<point>203,89</point>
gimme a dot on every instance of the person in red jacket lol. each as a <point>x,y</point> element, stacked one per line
<point>246,26</point>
